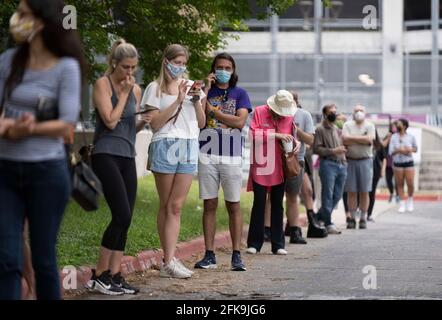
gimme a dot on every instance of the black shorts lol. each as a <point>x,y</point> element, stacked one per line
<point>409,164</point>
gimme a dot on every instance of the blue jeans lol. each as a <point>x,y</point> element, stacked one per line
<point>38,191</point>
<point>333,176</point>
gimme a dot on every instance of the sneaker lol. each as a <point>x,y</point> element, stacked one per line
<point>281,252</point>
<point>182,266</point>
<point>103,284</point>
<point>398,199</point>
<point>410,205</point>
<point>251,250</point>
<point>172,270</point>
<point>401,207</point>
<point>390,200</point>
<point>237,264</point>
<point>120,282</point>
<point>208,262</point>
<point>331,229</point>
<point>351,223</point>
<point>362,224</point>
<point>370,218</point>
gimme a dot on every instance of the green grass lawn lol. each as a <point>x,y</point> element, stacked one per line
<point>81,232</point>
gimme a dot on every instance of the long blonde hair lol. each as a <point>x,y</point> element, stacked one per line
<point>171,52</point>
<point>120,51</point>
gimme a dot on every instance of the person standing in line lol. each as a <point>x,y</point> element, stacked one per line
<point>116,98</point>
<point>220,159</point>
<point>358,135</point>
<point>177,117</point>
<point>305,129</point>
<point>271,127</point>
<point>40,91</point>
<point>379,166</point>
<point>332,168</point>
<point>389,172</point>
<point>402,147</point>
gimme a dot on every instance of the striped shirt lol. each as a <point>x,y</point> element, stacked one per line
<point>397,142</point>
<point>60,85</point>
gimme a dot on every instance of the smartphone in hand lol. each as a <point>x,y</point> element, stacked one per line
<point>196,87</point>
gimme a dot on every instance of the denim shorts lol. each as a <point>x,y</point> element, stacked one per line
<point>174,155</point>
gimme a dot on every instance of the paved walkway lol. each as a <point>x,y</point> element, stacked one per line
<point>404,249</point>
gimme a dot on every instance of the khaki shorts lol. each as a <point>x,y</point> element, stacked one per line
<point>212,175</point>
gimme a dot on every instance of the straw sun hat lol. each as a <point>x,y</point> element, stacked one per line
<point>282,103</point>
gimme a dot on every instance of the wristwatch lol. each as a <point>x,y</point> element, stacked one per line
<point>212,113</point>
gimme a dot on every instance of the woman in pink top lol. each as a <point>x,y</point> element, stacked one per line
<point>271,130</point>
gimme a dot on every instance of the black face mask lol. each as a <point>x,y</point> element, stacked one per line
<point>331,117</point>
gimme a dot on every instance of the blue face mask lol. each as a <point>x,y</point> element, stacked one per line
<point>175,71</point>
<point>222,76</point>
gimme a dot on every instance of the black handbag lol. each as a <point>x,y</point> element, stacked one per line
<point>86,187</point>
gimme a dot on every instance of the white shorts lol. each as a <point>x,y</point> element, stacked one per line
<point>211,175</point>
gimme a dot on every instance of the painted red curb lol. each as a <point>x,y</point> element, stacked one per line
<point>419,197</point>
<point>145,260</point>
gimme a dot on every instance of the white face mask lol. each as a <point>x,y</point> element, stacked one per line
<point>359,116</point>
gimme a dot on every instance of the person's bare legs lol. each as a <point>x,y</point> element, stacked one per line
<point>352,201</point>
<point>209,222</point>
<point>171,229</point>
<point>409,178</point>
<point>307,192</point>
<point>163,183</point>
<point>399,176</point>
<point>292,210</point>
<point>235,223</point>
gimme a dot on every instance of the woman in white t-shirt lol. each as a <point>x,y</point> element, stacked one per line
<point>177,117</point>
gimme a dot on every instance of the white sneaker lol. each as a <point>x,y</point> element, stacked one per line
<point>172,270</point>
<point>401,206</point>
<point>182,266</point>
<point>410,205</point>
<point>251,250</point>
<point>281,252</point>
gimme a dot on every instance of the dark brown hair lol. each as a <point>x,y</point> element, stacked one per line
<point>58,40</point>
<point>224,55</point>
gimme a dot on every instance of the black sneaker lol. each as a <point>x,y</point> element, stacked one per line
<point>120,282</point>
<point>362,224</point>
<point>237,264</point>
<point>103,284</point>
<point>351,223</point>
<point>208,262</point>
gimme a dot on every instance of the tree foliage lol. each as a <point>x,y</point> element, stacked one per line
<point>153,24</point>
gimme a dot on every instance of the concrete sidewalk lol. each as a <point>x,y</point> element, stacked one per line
<point>150,259</point>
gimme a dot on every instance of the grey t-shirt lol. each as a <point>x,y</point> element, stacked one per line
<point>359,151</point>
<point>303,119</point>
<point>61,84</point>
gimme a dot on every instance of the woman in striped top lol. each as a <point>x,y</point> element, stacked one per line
<point>43,72</point>
<point>402,146</point>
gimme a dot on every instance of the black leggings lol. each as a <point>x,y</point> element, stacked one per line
<point>255,237</point>
<point>119,178</point>
<point>389,176</point>
<point>372,194</point>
